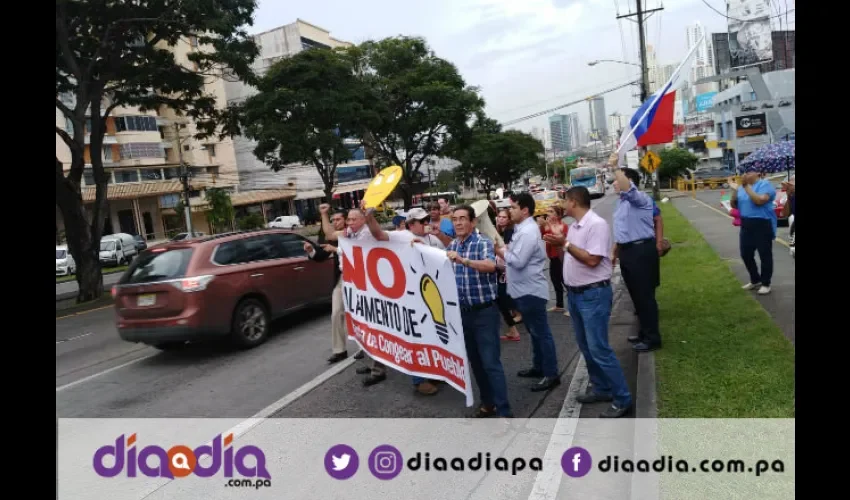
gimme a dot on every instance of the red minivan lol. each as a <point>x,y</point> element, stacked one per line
<point>230,284</point>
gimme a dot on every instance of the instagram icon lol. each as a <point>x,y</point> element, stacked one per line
<point>385,462</point>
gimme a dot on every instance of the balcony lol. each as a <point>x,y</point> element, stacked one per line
<point>107,139</point>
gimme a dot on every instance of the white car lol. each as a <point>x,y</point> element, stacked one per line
<point>286,222</point>
<point>65,265</point>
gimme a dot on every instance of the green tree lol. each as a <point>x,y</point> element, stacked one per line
<point>306,107</point>
<point>446,181</point>
<point>111,54</point>
<point>220,211</point>
<point>418,103</point>
<point>675,162</point>
<point>496,157</point>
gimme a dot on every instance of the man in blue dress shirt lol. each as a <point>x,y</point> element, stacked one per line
<point>635,247</point>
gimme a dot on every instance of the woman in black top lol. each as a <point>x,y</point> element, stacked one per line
<point>505,302</point>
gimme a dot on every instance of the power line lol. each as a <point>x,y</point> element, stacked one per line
<point>747,20</point>
<point>550,110</point>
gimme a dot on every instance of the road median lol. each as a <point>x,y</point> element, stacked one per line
<point>723,355</point>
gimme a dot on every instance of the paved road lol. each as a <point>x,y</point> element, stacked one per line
<point>68,287</point>
<point>98,375</point>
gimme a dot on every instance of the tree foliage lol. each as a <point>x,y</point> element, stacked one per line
<point>220,212</point>
<point>496,157</point>
<point>307,105</point>
<point>418,103</point>
<point>675,162</point>
<point>112,54</point>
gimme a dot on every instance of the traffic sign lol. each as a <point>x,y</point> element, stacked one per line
<point>650,162</point>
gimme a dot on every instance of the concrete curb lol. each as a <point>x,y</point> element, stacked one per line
<point>646,486</point>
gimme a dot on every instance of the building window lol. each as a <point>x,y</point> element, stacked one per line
<point>306,44</point>
<point>122,176</point>
<point>172,173</point>
<point>193,41</point>
<point>169,200</point>
<point>136,124</point>
<point>358,153</point>
<point>136,150</point>
<point>88,177</point>
<point>151,174</point>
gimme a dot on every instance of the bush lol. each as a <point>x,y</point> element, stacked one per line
<point>251,221</point>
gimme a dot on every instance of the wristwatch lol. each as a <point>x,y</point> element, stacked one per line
<point>466,262</point>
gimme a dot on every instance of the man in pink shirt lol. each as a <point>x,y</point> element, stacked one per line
<point>587,274</point>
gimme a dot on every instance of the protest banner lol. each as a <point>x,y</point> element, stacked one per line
<point>402,308</point>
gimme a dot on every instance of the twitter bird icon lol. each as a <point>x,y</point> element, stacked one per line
<point>341,461</point>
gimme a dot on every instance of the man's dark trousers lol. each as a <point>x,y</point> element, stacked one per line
<point>641,268</point>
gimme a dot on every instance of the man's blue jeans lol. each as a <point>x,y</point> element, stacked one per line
<point>536,319</point>
<point>417,380</point>
<point>483,348</point>
<point>590,312</point>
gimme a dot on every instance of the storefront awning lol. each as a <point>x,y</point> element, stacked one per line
<point>350,188</point>
<point>309,195</point>
<point>134,190</point>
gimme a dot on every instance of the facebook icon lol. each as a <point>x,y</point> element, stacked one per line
<point>576,462</point>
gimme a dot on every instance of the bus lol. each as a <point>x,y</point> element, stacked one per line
<point>589,177</point>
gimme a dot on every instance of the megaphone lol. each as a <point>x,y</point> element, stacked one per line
<point>485,225</point>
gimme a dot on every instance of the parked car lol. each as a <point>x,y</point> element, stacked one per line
<point>141,244</point>
<point>117,249</point>
<point>186,236</point>
<point>778,204</point>
<point>232,285</point>
<point>286,222</point>
<point>65,265</point>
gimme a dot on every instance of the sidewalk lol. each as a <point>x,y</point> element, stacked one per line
<point>344,396</point>
<point>722,236</point>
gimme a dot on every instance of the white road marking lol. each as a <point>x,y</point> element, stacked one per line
<point>245,426</point>
<point>548,480</point>
<point>75,338</point>
<point>104,372</point>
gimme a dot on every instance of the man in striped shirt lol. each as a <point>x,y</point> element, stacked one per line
<point>474,261</point>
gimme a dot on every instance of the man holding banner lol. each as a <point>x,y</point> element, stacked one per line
<point>416,220</point>
<point>474,261</point>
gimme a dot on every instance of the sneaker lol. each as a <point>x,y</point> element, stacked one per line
<point>750,286</point>
<point>764,290</point>
<point>566,313</point>
<point>555,309</point>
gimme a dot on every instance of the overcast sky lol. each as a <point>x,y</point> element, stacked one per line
<point>525,55</point>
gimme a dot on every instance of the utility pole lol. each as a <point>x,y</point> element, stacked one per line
<point>642,17</point>
<point>184,178</point>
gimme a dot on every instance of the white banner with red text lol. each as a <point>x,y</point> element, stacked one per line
<point>402,308</point>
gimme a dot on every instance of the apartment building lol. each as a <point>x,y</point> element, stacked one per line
<point>352,177</point>
<point>142,153</point>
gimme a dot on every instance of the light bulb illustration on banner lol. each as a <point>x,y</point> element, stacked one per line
<point>434,300</point>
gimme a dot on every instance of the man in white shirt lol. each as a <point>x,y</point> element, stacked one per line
<point>417,219</point>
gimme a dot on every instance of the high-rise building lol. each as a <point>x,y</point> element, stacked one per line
<point>617,123</point>
<point>558,128</point>
<point>573,131</point>
<point>598,119</point>
<point>352,177</point>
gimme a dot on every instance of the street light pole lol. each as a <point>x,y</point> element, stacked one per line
<point>184,178</point>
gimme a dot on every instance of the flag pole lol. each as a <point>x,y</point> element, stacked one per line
<point>659,95</point>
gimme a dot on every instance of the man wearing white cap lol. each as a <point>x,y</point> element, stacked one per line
<point>417,218</point>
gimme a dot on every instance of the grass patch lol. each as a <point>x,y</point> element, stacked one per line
<point>106,270</point>
<point>70,310</point>
<point>723,355</point>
